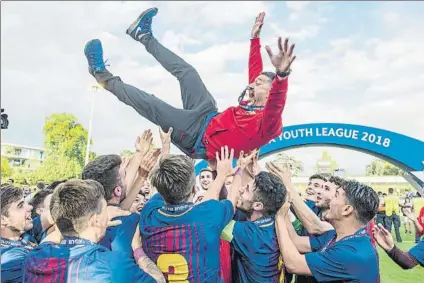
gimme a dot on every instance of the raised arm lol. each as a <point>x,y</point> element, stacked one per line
<point>301,243</point>
<point>385,240</point>
<point>309,220</point>
<point>224,167</point>
<point>276,101</point>
<point>255,58</point>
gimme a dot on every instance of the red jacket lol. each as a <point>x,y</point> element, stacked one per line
<point>240,129</point>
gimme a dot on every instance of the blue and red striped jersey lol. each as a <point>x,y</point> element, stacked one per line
<point>119,238</point>
<point>13,255</point>
<point>257,254</point>
<point>79,260</point>
<point>183,240</point>
<point>351,259</point>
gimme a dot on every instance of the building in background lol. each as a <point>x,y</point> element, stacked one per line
<point>326,165</point>
<point>25,157</point>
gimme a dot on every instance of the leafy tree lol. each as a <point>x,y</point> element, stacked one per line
<point>296,166</point>
<point>65,136</point>
<point>65,142</point>
<point>383,168</point>
<point>6,170</point>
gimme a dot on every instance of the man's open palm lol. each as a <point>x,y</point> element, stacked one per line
<point>283,59</point>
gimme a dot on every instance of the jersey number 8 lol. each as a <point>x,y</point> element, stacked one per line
<point>175,266</point>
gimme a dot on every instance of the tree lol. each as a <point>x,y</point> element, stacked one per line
<point>296,166</point>
<point>6,170</point>
<point>383,168</point>
<point>64,135</point>
<point>65,141</point>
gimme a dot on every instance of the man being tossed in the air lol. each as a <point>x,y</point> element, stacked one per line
<point>199,130</point>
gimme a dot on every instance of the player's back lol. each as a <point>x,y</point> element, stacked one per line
<point>12,263</point>
<point>183,240</point>
<point>257,254</point>
<point>79,260</point>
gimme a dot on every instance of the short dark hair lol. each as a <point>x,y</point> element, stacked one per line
<point>40,185</point>
<point>9,195</point>
<point>391,190</point>
<point>270,191</point>
<point>336,180</point>
<point>54,184</point>
<point>363,199</point>
<point>318,176</point>
<point>207,169</point>
<point>174,178</point>
<point>270,75</point>
<point>37,200</point>
<point>73,202</point>
<point>105,170</point>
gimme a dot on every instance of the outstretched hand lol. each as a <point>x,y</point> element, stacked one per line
<point>246,159</point>
<point>165,137</point>
<point>224,161</point>
<point>113,212</point>
<point>149,161</point>
<point>284,58</point>
<point>383,237</point>
<point>144,143</point>
<point>257,26</point>
<point>280,171</point>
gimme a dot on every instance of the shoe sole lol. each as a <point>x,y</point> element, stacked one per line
<point>86,45</point>
<point>137,21</point>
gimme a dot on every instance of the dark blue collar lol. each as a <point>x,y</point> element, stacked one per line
<point>14,243</point>
<point>75,241</point>
<point>358,234</point>
<point>176,209</point>
<point>264,221</point>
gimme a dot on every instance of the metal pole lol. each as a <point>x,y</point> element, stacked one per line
<point>87,151</point>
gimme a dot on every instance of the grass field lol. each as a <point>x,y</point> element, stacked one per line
<point>390,272</point>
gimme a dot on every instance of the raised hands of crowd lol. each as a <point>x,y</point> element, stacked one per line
<point>144,142</point>
<point>250,166</point>
<point>165,138</point>
<point>224,162</point>
<point>282,172</point>
<point>148,162</point>
<point>135,175</point>
<point>283,59</point>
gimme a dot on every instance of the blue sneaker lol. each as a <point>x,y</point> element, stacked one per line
<point>142,26</point>
<point>94,52</point>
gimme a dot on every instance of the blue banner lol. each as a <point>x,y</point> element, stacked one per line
<point>403,151</point>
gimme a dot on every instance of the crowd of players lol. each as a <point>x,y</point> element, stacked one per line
<point>142,219</point>
<point>245,224</point>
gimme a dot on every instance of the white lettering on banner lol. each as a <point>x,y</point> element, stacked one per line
<point>335,132</point>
